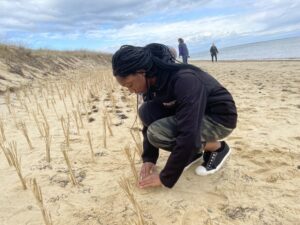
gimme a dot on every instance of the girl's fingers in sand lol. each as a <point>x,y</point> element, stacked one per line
<point>146,169</point>
<point>152,180</point>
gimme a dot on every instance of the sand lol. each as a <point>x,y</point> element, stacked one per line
<point>259,184</point>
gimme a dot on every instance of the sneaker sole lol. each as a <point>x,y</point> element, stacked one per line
<point>188,166</point>
<point>218,167</point>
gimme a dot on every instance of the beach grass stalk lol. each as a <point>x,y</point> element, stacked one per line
<point>53,106</point>
<point>91,146</point>
<point>37,123</point>
<point>79,116</point>
<point>58,91</point>
<point>65,106</point>
<point>36,190</point>
<point>137,141</point>
<point>104,131</point>
<point>25,133</point>
<point>131,160</point>
<point>4,149</point>
<point>16,161</point>
<point>47,139</point>
<point>2,132</point>
<point>76,121</point>
<point>66,130</point>
<point>70,94</point>
<point>127,188</point>
<point>8,100</point>
<point>44,115</point>
<point>71,173</point>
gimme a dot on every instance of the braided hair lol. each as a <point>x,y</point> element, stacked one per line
<point>153,58</point>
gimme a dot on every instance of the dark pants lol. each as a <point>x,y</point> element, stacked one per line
<point>185,59</point>
<point>212,57</point>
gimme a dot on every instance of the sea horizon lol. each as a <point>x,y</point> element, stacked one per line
<point>279,49</point>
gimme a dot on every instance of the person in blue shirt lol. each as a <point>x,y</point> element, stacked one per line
<point>183,51</point>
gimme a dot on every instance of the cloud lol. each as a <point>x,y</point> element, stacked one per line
<point>195,31</point>
<point>75,14</point>
<point>139,22</point>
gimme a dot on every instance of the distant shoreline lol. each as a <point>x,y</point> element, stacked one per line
<point>274,50</point>
<point>247,60</point>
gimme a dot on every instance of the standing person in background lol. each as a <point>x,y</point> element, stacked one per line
<point>183,51</point>
<point>173,52</point>
<point>214,51</point>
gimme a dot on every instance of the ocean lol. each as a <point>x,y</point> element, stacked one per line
<point>288,48</point>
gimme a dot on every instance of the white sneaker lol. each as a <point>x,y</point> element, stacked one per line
<point>213,161</point>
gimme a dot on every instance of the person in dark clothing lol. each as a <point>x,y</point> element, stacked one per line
<point>185,111</point>
<point>213,52</point>
<point>183,51</point>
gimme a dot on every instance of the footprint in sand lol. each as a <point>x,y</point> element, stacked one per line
<point>91,119</point>
<point>239,212</point>
<point>274,178</point>
<point>122,116</point>
<point>297,138</point>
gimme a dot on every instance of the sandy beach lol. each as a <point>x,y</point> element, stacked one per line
<point>259,184</point>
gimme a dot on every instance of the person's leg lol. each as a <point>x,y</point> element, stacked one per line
<point>212,133</point>
<point>149,112</point>
<point>212,146</point>
<point>184,59</point>
<point>162,133</point>
<point>215,151</point>
<point>216,57</point>
<point>212,58</point>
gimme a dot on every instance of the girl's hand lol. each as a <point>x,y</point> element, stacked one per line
<point>147,169</point>
<point>152,180</point>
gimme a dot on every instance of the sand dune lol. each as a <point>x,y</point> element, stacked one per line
<point>259,184</point>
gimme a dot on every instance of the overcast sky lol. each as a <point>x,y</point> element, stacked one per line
<point>106,24</point>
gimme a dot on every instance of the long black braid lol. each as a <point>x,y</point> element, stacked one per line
<point>154,58</point>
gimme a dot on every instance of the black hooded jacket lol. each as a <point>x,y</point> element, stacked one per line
<point>196,93</point>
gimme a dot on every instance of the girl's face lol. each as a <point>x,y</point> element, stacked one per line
<point>136,83</point>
